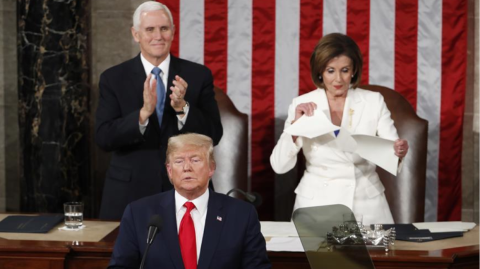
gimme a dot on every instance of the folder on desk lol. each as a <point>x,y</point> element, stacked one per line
<point>29,224</point>
<point>408,232</point>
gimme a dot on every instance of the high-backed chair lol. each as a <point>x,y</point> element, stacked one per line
<point>406,192</point>
<point>231,153</point>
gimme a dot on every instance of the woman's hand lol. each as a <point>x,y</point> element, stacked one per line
<point>304,108</point>
<point>401,147</point>
<point>300,110</point>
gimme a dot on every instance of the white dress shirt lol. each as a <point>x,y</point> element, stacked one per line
<point>164,66</point>
<point>199,215</point>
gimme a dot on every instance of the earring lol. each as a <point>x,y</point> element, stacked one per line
<point>353,76</point>
<point>320,77</point>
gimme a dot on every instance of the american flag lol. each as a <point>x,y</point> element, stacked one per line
<point>259,50</point>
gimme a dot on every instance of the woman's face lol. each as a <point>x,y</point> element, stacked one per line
<point>337,76</point>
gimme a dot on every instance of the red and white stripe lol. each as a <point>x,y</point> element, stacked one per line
<point>259,52</point>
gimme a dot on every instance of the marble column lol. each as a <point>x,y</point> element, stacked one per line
<point>53,72</point>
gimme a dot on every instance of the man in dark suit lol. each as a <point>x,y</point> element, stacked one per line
<point>137,114</point>
<point>201,229</point>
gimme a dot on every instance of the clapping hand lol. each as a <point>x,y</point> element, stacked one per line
<point>179,89</point>
<point>149,98</point>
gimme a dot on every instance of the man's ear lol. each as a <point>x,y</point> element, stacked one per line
<point>135,34</point>
<point>213,166</point>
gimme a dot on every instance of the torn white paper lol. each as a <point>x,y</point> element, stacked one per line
<point>372,148</point>
<point>377,150</point>
<point>312,126</point>
<point>345,141</point>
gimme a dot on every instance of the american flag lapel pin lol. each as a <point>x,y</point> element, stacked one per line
<point>219,218</point>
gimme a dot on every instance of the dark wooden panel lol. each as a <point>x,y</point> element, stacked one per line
<point>29,263</point>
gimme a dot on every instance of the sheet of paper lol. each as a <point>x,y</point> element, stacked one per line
<point>278,228</point>
<point>445,226</point>
<point>312,126</point>
<point>290,244</point>
<point>345,141</point>
<point>373,148</point>
<point>377,150</point>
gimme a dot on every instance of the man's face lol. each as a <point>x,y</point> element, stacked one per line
<point>190,171</point>
<point>155,35</point>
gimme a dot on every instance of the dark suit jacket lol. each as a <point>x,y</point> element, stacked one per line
<point>233,242</point>
<point>137,166</point>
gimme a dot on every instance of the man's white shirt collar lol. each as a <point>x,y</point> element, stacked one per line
<point>201,203</point>
<point>164,66</point>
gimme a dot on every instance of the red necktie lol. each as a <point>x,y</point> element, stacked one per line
<point>186,236</point>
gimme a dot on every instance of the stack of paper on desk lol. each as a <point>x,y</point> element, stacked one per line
<point>289,244</point>
<point>278,228</point>
<point>372,148</point>
<point>281,236</point>
<point>445,226</point>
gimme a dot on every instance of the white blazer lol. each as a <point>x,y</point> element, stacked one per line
<point>333,176</point>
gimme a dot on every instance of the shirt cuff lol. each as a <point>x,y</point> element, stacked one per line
<point>143,127</point>
<point>182,120</point>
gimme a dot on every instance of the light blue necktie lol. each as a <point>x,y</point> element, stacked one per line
<point>160,94</point>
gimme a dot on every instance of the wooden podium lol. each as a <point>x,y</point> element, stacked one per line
<point>92,247</point>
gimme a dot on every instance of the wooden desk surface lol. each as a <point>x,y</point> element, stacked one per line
<point>460,252</point>
<point>94,231</point>
<point>77,254</point>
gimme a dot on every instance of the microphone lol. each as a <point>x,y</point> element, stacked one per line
<point>252,197</point>
<point>154,226</point>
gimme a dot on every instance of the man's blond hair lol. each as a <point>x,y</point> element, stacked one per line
<point>197,141</point>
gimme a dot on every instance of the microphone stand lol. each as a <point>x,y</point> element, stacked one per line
<point>153,229</point>
<point>253,198</point>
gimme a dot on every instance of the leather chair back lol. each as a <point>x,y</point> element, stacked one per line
<point>406,192</point>
<point>231,154</point>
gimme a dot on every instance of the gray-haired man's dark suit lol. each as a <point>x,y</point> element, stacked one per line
<point>137,167</point>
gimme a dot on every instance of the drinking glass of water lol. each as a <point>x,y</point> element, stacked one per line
<point>73,214</point>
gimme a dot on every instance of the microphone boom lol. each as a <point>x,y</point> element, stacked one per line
<point>253,197</point>
<point>154,226</point>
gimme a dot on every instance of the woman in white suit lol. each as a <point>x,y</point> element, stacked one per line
<point>333,176</point>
